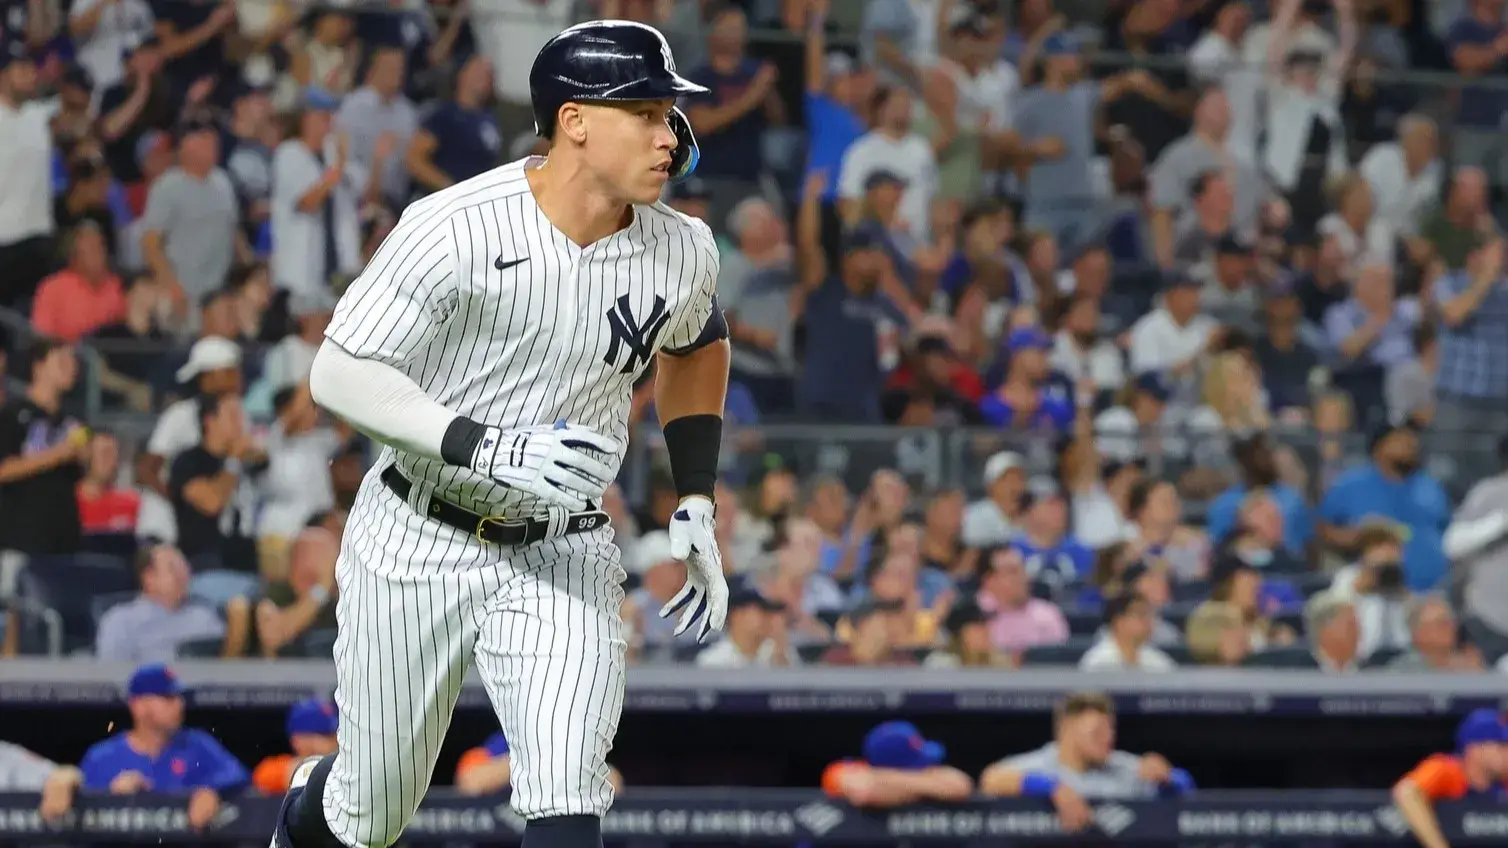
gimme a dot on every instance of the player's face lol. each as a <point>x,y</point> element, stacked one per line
<point>312,744</point>
<point>1093,733</point>
<point>629,145</point>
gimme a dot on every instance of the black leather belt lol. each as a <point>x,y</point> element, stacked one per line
<point>495,529</point>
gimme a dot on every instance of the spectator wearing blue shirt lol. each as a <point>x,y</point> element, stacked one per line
<point>1477,44</point>
<point>836,90</point>
<point>730,121</point>
<point>1259,470</point>
<point>1053,557</point>
<point>1471,380</point>
<point>460,138</point>
<point>1028,399</point>
<point>1391,488</point>
<point>159,755</point>
<point>1372,327</point>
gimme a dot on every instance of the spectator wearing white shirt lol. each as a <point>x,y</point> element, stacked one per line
<point>289,361</point>
<point>1374,586</point>
<point>1078,352</point>
<point>755,636</point>
<point>316,189</point>
<point>994,519</point>
<point>1127,643</point>
<point>1174,337</point>
<point>510,33</point>
<point>1147,424</point>
<point>891,146</point>
<point>378,117</point>
<point>102,32</point>
<point>1362,237</point>
<point>1405,175</point>
<point>1215,61</point>
<point>296,485</point>
<point>26,207</point>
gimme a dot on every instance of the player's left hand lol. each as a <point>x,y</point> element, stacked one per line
<point>203,805</point>
<point>693,539</point>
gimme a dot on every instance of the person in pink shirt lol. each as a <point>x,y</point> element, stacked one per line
<point>1017,620</point>
<point>82,297</point>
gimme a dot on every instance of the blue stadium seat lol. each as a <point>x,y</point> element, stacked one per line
<point>200,649</point>
<point>1068,653</point>
<point>69,585</point>
<point>1186,591</point>
<point>317,644</point>
<point>1381,657</point>
<point>685,652</point>
<point>1083,622</point>
<point>1294,656</point>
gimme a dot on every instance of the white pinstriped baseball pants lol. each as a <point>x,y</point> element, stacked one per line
<point>418,601</point>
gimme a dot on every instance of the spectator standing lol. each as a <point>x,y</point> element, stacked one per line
<point>379,118</point>
<point>140,103</point>
<point>1409,388</point>
<point>1373,328</point>
<point>1017,620</point>
<point>892,145</point>
<point>212,501</point>
<point>1285,348</point>
<point>1463,222</point>
<point>1127,643</point>
<point>755,286</point>
<point>1174,337</point>
<point>289,361</point>
<point>42,449</point>
<point>836,102</point>
<point>1405,175</point>
<point>153,626</point>
<point>191,228</point>
<point>213,367</point>
<point>316,190</point>
<point>1478,44</point>
<point>1080,352</point>
<point>731,120</point>
<point>297,484</point>
<point>459,138</point>
<point>1474,542</point>
<point>82,297</point>
<point>26,218</point>
<point>103,33</point>
<point>1471,385</point>
<point>159,755</point>
<point>510,34</point>
<point>251,135</point>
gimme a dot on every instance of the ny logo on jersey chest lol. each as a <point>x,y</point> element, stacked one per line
<point>638,338</point>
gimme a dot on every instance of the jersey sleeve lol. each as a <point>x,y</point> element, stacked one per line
<point>702,320</point>
<point>834,775</point>
<point>406,293</point>
<point>272,775</point>
<point>471,760</point>
<point>1440,778</point>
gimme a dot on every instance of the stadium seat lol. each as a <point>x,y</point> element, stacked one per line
<point>317,644</point>
<point>1068,653</point>
<point>1294,656</point>
<point>69,585</point>
<point>1083,622</point>
<point>685,652</point>
<point>122,545</point>
<point>100,604</point>
<point>1191,591</point>
<point>830,617</point>
<point>1381,657</point>
<point>200,649</point>
<point>1310,582</point>
<point>811,653</point>
<point>1179,654</point>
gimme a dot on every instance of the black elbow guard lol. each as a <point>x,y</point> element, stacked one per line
<point>693,442</point>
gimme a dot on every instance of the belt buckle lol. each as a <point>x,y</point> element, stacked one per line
<point>500,521</point>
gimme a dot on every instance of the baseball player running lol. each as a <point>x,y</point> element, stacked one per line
<point>491,345</point>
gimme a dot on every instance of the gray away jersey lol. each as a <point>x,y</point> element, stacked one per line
<point>1116,780</point>
<point>497,315</point>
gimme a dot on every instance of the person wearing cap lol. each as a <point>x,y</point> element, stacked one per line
<point>289,361</point>
<point>159,754</point>
<point>1173,338</point>
<point>1477,769</point>
<point>690,197</point>
<point>756,635</point>
<point>892,144</point>
<point>486,769</point>
<point>1392,487</point>
<point>853,312</point>
<point>459,139</point>
<point>1081,352</point>
<point>1127,643</point>
<point>311,727</point>
<point>1081,764</point>
<point>1052,555</point>
<point>26,221</point>
<point>1135,428</point>
<point>899,767</point>
<point>995,519</point>
<point>1030,398</point>
<point>875,627</point>
<point>190,229</point>
<point>41,451</point>
<point>316,191</point>
<point>213,368</point>
<point>1287,346</point>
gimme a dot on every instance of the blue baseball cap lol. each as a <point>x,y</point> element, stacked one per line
<point>1028,338</point>
<point>155,679</point>
<point>1153,384</point>
<point>1481,725</point>
<point>496,745</point>
<point>313,715</point>
<point>319,99</point>
<point>899,745</point>
<point>1060,44</point>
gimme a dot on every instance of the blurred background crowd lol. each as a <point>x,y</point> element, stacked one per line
<point>1123,334</point>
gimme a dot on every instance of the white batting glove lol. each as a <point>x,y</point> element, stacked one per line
<point>559,465</point>
<point>693,540</point>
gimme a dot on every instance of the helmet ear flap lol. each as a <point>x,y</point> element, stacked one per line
<point>684,158</point>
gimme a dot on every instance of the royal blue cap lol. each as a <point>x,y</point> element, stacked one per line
<point>899,745</point>
<point>155,679</point>
<point>1481,725</point>
<point>1026,338</point>
<point>496,745</point>
<point>1060,44</point>
<point>313,715</point>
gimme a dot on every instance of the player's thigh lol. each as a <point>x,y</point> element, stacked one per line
<point>552,653</point>
<point>408,623</point>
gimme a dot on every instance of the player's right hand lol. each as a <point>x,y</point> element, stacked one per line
<point>565,465</point>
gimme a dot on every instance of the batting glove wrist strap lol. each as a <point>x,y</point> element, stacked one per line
<point>563,465</point>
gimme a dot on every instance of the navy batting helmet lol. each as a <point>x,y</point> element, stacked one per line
<point>606,61</point>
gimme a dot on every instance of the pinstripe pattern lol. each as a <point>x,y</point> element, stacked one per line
<point>420,600</point>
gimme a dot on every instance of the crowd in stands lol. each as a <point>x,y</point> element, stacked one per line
<point>1168,293</point>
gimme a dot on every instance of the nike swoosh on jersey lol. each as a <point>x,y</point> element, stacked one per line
<point>504,264</point>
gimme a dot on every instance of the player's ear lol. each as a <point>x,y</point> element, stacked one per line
<point>571,122</point>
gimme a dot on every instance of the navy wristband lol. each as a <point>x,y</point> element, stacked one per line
<point>1035,784</point>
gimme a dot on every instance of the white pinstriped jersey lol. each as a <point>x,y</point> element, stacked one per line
<point>494,313</point>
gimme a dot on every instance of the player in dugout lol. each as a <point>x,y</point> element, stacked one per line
<point>899,767</point>
<point>1081,765</point>
<point>158,754</point>
<point>311,726</point>
<point>1477,769</point>
<point>486,769</point>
